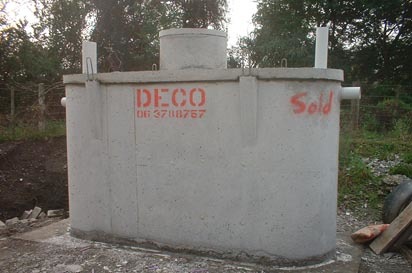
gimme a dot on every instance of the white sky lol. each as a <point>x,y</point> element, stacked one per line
<point>240,16</point>
<point>20,9</point>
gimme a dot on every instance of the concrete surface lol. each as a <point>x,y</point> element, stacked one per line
<point>258,178</point>
<point>241,163</point>
<point>207,75</point>
<point>190,48</point>
<point>52,249</point>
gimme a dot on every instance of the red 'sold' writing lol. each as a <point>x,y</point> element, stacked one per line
<point>301,104</point>
<point>171,103</point>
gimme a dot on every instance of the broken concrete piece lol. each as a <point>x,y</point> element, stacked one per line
<point>35,213</point>
<point>24,221</point>
<point>2,225</point>
<point>26,214</point>
<point>42,215</point>
<point>55,213</point>
<point>12,221</point>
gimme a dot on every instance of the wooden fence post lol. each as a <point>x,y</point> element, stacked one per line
<point>12,106</point>
<point>12,110</point>
<point>355,108</point>
<point>42,108</point>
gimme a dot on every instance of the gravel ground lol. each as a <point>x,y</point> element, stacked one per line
<point>371,263</point>
<point>65,254</point>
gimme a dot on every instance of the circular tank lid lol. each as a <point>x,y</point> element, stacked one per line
<point>191,31</point>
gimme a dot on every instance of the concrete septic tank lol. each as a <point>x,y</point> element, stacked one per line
<point>235,163</point>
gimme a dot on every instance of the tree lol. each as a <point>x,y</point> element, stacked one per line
<point>282,29</point>
<point>61,29</point>
<point>368,38</point>
<point>382,41</point>
<point>22,59</point>
<point>202,13</point>
<point>127,30</point>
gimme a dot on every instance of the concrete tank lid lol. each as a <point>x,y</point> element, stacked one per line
<point>204,75</point>
<point>191,31</point>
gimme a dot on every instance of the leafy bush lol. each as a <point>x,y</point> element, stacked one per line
<point>369,122</point>
<point>402,128</point>
<point>389,111</point>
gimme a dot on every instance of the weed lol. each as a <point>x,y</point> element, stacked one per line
<point>407,157</point>
<point>24,131</point>
<point>402,168</point>
<point>369,123</point>
<point>359,189</point>
<point>402,129</point>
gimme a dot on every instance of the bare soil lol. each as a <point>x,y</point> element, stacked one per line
<point>33,173</point>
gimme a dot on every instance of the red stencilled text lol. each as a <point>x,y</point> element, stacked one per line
<point>171,103</point>
<point>301,104</point>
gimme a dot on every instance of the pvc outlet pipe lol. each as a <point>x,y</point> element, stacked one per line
<point>350,93</point>
<point>63,101</point>
<point>321,53</point>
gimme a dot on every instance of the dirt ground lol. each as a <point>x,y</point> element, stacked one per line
<point>34,173</point>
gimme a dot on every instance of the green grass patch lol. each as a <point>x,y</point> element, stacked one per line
<point>359,189</point>
<point>357,184</point>
<point>381,146</point>
<point>31,132</point>
<point>403,168</point>
<point>407,157</point>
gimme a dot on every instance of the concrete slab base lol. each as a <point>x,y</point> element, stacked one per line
<point>347,260</point>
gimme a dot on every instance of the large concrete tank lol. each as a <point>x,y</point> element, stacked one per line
<point>237,163</point>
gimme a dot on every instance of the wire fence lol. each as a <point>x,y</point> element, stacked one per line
<point>31,104</point>
<point>383,108</point>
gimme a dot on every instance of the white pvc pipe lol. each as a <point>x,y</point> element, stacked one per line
<point>350,93</point>
<point>89,57</point>
<point>63,101</point>
<point>321,53</point>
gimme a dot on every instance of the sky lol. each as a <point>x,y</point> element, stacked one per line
<point>240,15</point>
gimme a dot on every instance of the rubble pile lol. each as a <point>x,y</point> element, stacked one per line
<point>29,218</point>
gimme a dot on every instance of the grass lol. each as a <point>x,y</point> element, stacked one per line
<point>372,144</point>
<point>407,157</point>
<point>358,187</point>
<point>403,168</point>
<point>357,184</point>
<point>31,132</point>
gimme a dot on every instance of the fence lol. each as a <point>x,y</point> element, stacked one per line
<point>31,105</point>
<point>382,108</point>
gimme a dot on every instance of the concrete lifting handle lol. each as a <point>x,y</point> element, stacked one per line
<point>89,62</point>
<point>321,52</point>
